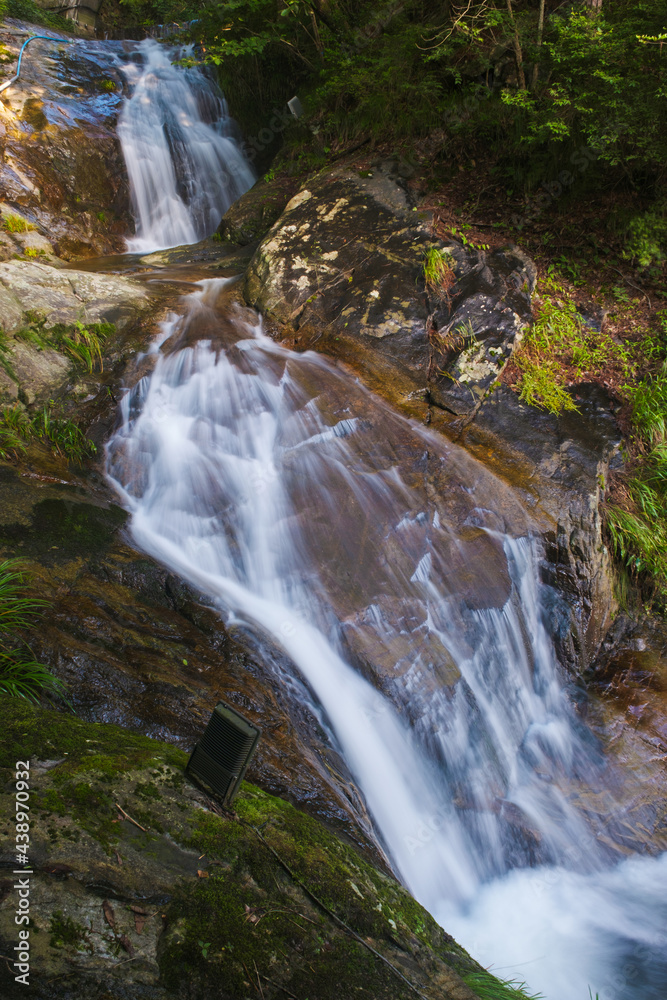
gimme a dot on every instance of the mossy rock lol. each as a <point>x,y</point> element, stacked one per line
<point>251,217</point>
<point>260,902</point>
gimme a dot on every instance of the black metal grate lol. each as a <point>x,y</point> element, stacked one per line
<point>222,755</point>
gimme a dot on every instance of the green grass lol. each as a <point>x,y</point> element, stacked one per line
<point>15,224</point>
<point>84,343</point>
<point>21,676</point>
<point>487,987</point>
<point>637,525</point>
<point>63,436</point>
<point>15,429</point>
<point>539,385</point>
<point>438,271</point>
<point>5,352</point>
<point>560,350</point>
<point>637,521</point>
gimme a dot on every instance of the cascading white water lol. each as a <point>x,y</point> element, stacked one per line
<point>184,164</point>
<point>301,504</point>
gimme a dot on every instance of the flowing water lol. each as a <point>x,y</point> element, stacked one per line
<point>183,161</point>
<point>401,580</point>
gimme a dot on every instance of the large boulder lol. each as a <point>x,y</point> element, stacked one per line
<point>140,886</point>
<point>343,270</point>
<point>36,300</point>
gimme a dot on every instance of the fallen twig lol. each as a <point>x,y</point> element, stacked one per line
<point>261,991</point>
<point>278,986</point>
<point>248,974</point>
<point>127,816</point>
<point>341,923</point>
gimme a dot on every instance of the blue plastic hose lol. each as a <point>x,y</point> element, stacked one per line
<point>32,38</point>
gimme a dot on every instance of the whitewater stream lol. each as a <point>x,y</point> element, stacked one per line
<point>401,581</point>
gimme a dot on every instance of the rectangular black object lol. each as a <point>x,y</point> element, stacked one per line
<point>222,755</point>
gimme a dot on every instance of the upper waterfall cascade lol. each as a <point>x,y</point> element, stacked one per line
<point>183,159</point>
<point>301,505</point>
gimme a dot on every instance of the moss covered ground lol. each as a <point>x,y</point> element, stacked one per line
<point>263,901</point>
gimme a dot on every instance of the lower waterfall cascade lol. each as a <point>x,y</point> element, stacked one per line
<point>273,483</point>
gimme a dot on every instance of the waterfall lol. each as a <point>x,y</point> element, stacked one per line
<point>184,164</point>
<point>304,507</point>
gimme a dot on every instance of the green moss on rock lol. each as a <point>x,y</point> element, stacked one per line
<point>207,905</point>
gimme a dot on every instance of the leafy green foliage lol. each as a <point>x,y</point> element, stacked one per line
<point>561,349</point>
<point>647,237</point>
<point>605,87</point>
<point>28,10</point>
<point>63,436</point>
<point>21,676</point>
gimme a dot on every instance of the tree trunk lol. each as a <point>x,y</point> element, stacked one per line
<point>518,55</point>
<point>540,31</point>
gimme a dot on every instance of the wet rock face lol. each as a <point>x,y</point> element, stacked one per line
<point>561,465</point>
<point>628,712</point>
<point>136,648</point>
<point>342,271</point>
<point>250,218</point>
<point>141,888</point>
<point>61,166</point>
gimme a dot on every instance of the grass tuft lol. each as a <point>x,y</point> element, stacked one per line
<point>15,224</point>
<point>84,343</point>
<point>487,987</point>
<point>15,429</point>
<point>63,436</point>
<point>438,271</point>
<point>21,676</point>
